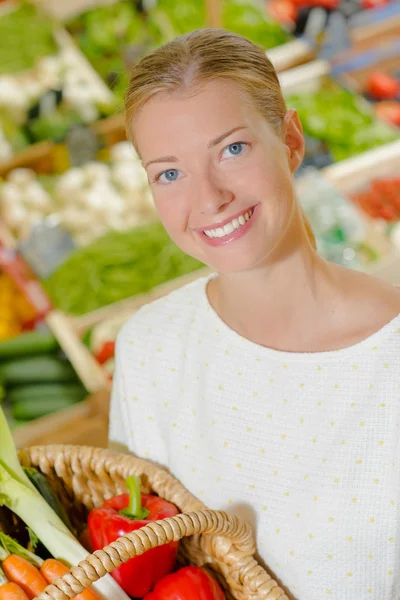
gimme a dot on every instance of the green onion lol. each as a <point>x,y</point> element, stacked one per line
<point>21,496</point>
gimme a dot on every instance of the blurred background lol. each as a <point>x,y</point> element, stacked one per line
<point>80,244</point>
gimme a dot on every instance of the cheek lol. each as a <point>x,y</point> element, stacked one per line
<point>171,210</point>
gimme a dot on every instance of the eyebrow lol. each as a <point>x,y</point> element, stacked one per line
<point>211,144</point>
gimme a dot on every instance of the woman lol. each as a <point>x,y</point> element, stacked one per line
<point>270,389</point>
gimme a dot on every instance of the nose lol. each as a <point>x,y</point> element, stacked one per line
<point>213,195</point>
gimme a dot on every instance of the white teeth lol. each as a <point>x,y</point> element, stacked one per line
<point>229,227</point>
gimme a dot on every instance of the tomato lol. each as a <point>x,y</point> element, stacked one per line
<point>382,86</point>
<point>330,4</point>
<point>373,3</point>
<point>106,352</point>
<point>381,200</point>
<point>283,11</point>
<point>389,111</point>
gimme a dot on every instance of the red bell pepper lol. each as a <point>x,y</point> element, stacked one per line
<point>123,514</point>
<point>106,352</point>
<point>189,583</point>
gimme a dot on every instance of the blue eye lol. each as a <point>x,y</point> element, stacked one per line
<point>234,149</point>
<point>168,176</point>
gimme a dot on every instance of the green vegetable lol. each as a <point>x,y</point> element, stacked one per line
<point>43,391</point>
<point>250,20</point>
<point>117,266</point>
<point>169,19</point>
<point>115,36</point>
<point>20,495</point>
<point>32,343</point>
<point>43,486</point>
<point>39,369</point>
<point>340,118</point>
<point>28,410</point>
<point>26,36</point>
<point>54,126</point>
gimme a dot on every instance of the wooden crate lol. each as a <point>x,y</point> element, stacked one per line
<point>351,175</point>
<point>70,330</point>
<point>294,53</point>
<point>372,28</point>
<point>85,423</point>
<point>42,156</point>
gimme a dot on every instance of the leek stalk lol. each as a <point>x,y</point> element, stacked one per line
<point>21,496</point>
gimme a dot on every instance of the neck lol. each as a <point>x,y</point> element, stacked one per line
<point>284,304</point>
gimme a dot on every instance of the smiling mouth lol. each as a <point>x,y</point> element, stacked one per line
<point>230,227</point>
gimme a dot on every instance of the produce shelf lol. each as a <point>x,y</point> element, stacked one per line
<point>371,28</point>
<point>85,424</point>
<point>43,155</point>
<point>48,157</point>
<point>70,330</point>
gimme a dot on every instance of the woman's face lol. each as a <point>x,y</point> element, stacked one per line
<point>220,177</point>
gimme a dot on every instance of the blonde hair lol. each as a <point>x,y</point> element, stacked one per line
<point>204,55</point>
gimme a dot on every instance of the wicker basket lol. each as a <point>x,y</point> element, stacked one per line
<point>84,477</point>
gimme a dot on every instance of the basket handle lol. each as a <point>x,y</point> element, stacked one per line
<point>137,542</point>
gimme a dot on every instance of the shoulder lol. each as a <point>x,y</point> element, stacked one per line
<point>369,301</point>
<point>165,315</point>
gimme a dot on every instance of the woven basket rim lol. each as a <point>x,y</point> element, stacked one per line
<point>223,540</point>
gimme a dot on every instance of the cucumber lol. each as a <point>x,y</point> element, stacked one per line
<point>28,410</point>
<point>40,369</point>
<point>43,486</point>
<point>28,344</point>
<point>45,390</point>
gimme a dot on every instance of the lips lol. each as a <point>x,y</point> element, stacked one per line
<point>222,224</point>
<point>229,227</point>
<point>230,230</point>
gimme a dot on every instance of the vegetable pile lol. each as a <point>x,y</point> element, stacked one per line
<point>36,379</point>
<point>117,266</point>
<point>87,201</point>
<point>342,120</point>
<point>383,89</point>
<point>38,541</point>
<point>381,200</point>
<point>26,36</point>
<point>25,505</point>
<point>340,232</point>
<point>45,89</point>
<point>16,313</point>
<point>115,36</point>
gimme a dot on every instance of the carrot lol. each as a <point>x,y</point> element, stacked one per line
<point>21,571</point>
<point>12,591</point>
<point>51,569</point>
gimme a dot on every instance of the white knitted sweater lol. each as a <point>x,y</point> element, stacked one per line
<point>305,446</point>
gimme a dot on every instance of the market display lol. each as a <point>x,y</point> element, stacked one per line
<point>380,199</point>
<point>115,36</point>
<point>86,201</point>
<point>338,123</point>
<point>383,88</point>
<point>16,313</point>
<point>87,198</point>
<point>117,266</point>
<point>35,379</point>
<point>45,88</point>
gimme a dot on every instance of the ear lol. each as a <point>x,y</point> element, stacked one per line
<point>293,139</point>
